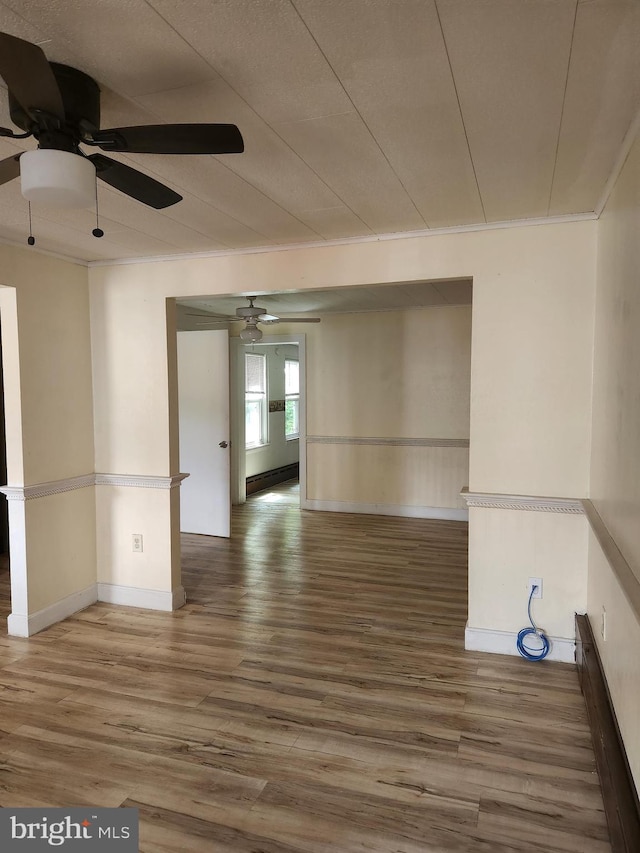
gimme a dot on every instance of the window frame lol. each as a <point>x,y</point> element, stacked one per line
<point>259,397</point>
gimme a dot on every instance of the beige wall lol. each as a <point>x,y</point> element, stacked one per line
<point>54,363</point>
<point>48,399</point>
<point>531,432</point>
<point>61,549</point>
<point>390,375</point>
<point>615,481</point>
<point>506,547</point>
<point>531,363</point>
<point>531,367</point>
<point>121,511</point>
<point>393,479</point>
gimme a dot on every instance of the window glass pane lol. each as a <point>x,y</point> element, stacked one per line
<point>291,377</point>
<point>255,399</point>
<point>292,417</point>
<point>253,427</point>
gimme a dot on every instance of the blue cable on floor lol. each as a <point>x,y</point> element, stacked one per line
<point>528,652</point>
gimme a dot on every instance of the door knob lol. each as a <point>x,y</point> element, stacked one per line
<point>223,444</point>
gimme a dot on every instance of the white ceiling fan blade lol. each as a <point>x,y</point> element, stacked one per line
<point>290,320</point>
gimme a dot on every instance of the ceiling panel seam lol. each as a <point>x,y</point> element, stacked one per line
<point>464,126</point>
<point>270,126</point>
<point>564,101</point>
<point>358,113</point>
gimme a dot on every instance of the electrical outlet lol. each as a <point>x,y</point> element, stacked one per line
<point>537,582</point>
<point>137,541</point>
<point>603,624</point>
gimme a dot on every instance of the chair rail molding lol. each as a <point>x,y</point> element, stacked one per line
<point>140,481</point>
<point>43,490</point>
<point>70,484</point>
<point>389,442</point>
<point>622,570</point>
<point>530,503</point>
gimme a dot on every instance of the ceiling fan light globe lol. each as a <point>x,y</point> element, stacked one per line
<point>251,335</point>
<point>58,178</point>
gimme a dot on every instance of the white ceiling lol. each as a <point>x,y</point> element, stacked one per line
<point>360,117</point>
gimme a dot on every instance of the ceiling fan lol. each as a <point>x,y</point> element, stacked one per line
<point>251,315</point>
<point>60,107</point>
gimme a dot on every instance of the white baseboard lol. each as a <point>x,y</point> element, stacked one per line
<point>19,625</point>
<point>148,599</point>
<point>504,643</point>
<point>402,510</point>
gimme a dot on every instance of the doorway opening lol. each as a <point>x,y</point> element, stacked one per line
<point>218,418</point>
<point>269,444</point>
<point>272,415</point>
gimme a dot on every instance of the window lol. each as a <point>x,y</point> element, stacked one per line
<point>291,398</point>
<point>255,399</point>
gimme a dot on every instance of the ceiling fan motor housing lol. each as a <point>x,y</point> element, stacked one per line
<point>250,312</point>
<point>81,99</point>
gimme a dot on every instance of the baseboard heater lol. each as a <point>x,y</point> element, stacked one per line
<point>619,794</point>
<point>258,482</point>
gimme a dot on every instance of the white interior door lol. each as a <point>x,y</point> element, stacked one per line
<point>203,399</point>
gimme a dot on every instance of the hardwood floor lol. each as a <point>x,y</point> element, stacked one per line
<point>314,695</point>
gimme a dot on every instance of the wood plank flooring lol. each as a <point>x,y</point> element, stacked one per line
<point>314,695</point>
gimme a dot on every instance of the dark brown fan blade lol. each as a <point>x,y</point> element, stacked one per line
<point>9,168</point>
<point>172,139</point>
<point>28,75</point>
<point>134,183</point>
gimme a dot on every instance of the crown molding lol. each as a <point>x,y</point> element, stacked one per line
<point>351,241</point>
<point>345,241</point>
<point>530,503</point>
<point>70,259</point>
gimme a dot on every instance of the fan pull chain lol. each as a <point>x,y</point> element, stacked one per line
<point>31,240</point>
<point>97,231</point>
